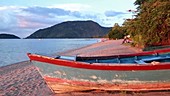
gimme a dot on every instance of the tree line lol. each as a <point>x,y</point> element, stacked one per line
<point>150,27</point>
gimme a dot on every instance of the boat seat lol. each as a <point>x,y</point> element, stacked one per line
<point>57,57</point>
<point>118,59</point>
<point>143,61</point>
<point>156,58</point>
<point>156,54</point>
<point>97,61</point>
<point>140,62</point>
<point>136,57</point>
<point>72,58</point>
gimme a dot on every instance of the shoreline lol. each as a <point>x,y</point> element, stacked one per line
<point>22,78</point>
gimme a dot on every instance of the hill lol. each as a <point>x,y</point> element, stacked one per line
<point>8,36</point>
<point>72,29</point>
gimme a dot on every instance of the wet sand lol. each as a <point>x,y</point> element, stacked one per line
<point>22,79</point>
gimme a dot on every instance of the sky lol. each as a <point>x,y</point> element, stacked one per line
<point>24,17</point>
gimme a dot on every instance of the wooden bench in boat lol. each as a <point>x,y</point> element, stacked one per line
<point>72,58</point>
<point>138,61</point>
<point>143,61</point>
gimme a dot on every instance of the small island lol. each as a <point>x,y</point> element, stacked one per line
<point>8,36</point>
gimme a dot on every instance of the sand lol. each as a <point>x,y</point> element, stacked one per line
<point>22,79</point>
<point>109,47</point>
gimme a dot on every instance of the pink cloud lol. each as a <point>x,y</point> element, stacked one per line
<point>24,23</point>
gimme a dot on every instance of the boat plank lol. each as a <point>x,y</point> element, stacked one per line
<point>140,87</point>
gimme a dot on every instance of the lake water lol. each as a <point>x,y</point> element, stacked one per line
<point>14,50</point>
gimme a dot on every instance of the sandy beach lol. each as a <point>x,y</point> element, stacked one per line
<point>105,48</point>
<point>22,79</point>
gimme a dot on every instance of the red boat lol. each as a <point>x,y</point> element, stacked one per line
<point>146,71</point>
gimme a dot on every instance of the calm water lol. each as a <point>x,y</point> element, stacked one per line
<point>13,51</point>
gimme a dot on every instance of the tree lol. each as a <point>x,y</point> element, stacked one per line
<point>152,24</point>
<point>139,3</point>
<point>117,32</point>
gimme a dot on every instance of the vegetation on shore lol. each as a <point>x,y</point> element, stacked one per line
<point>117,32</point>
<point>150,27</point>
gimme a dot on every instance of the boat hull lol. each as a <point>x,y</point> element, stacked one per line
<point>66,79</point>
<point>63,75</point>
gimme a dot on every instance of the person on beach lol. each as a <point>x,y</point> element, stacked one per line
<point>126,39</point>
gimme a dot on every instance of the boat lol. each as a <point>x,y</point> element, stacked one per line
<point>138,72</point>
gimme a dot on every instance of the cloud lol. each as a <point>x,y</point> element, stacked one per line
<point>113,13</point>
<point>72,7</point>
<point>7,20</point>
<point>54,12</point>
<point>46,11</point>
<point>23,21</point>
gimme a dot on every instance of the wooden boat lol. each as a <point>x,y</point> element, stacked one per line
<point>146,71</point>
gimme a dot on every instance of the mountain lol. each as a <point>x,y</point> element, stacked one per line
<point>8,36</point>
<point>72,29</point>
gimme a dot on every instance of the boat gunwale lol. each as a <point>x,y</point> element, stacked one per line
<point>105,66</point>
<point>155,52</point>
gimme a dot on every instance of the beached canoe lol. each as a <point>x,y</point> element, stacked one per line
<point>146,71</point>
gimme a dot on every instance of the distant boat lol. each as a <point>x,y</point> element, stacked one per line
<point>146,71</point>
